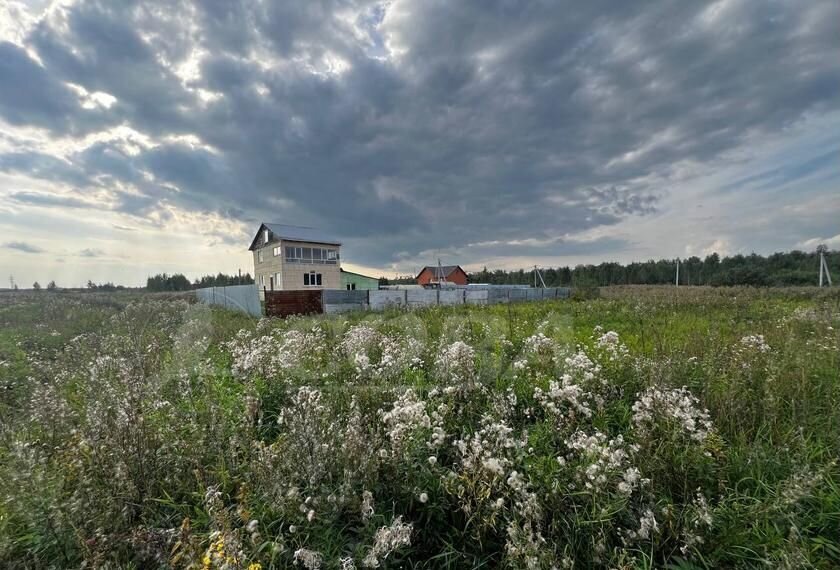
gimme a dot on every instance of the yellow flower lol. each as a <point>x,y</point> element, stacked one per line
<point>255,566</point>
<point>206,561</point>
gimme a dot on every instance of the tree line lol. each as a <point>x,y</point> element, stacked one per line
<point>779,269</point>
<point>179,282</point>
<point>794,268</point>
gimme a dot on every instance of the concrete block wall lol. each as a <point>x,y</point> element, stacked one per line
<point>421,297</point>
<point>476,297</point>
<point>382,299</point>
<point>342,301</point>
<point>452,296</point>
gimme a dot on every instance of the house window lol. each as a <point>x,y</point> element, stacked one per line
<point>277,282</point>
<point>277,251</point>
<point>312,279</point>
<point>294,254</point>
<point>348,286</point>
<point>265,236</point>
<point>259,256</point>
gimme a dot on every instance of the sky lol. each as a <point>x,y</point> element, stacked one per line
<point>155,136</point>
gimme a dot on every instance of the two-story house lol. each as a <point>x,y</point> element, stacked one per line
<point>295,257</point>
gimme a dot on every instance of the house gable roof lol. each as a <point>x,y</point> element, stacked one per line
<point>445,269</point>
<point>293,233</point>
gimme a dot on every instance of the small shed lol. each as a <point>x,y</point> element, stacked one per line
<point>356,281</point>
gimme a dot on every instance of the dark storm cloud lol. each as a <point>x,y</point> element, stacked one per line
<point>31,95</point>
<point>23,247</point>
<point>43,166</point>
<point>416,126</point>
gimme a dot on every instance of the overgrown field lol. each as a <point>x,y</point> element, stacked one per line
<point>652,427</point>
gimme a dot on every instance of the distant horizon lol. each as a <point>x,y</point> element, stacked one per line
<point>470,270</point>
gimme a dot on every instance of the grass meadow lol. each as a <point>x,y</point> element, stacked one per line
<point>648,428</point>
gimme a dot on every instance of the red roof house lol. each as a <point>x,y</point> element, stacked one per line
<point>447,273</point>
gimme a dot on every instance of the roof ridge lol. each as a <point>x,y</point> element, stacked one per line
<point>290,225</point>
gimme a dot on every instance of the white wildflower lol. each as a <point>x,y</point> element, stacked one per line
<point>676,404</point>
<point>387,540</point>
<point>310,559</point>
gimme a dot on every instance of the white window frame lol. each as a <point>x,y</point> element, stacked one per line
<point>324,255</point>
<point>294,254</point>
<point>259,256</point>
<point>313,279</point>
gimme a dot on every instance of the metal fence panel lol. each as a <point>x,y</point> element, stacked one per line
<point>332,309</point>
<point>244,298</point>
<point>342,296</point>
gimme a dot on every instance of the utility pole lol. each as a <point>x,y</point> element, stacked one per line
<point>538,274</point>
<point>11,281</point>
<point>825,276</point>
<point>677,280</point>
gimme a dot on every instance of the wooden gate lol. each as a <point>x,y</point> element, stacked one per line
<point>285,303</point>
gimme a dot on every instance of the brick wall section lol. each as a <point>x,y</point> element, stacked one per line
<point>285,303</point>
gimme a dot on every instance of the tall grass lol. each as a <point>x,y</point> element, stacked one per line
<point>649,427</point>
